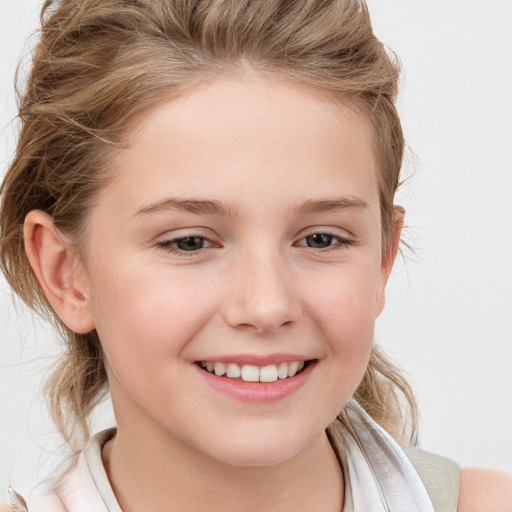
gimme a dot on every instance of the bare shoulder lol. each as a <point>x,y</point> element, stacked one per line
<point>484,490</point>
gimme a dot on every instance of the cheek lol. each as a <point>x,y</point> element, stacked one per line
<point>145,320</point>
<point>344,310</point>
<point>146,316</point>
<point>344,303</point>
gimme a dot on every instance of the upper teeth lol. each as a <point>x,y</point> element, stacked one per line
<point>253,373</point>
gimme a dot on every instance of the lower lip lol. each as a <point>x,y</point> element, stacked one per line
<point>258,392</point>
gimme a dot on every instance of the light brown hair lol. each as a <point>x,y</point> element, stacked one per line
<point>101,63</point>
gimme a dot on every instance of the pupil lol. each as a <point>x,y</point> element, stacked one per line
<point>319,240</point>
<point>190,243</point>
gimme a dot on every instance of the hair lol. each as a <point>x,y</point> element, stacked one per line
<point>101,63</point>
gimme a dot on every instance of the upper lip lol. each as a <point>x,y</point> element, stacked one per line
<point>256,359</point>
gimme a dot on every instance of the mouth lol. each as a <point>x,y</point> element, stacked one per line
<point>253,373</point>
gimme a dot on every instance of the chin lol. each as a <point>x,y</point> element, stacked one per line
<point>263,449</point>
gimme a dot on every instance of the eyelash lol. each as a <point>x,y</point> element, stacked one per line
<point>168,245</point>
<point>341,242</point>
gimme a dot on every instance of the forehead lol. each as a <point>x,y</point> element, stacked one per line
<point>233,135</point>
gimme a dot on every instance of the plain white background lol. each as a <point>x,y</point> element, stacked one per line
<point>448,319</point>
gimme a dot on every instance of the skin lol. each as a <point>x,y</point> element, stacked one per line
<point>255,285</point>
<point>484,489</point>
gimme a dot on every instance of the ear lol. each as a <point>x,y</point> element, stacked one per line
<point>57,268</point>
<point>388,258</point>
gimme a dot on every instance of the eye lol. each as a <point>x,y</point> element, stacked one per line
<point>325,241</point>
<point>188,244</point>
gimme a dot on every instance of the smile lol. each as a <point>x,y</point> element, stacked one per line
<point>256,379</point>
<point>253,373</point>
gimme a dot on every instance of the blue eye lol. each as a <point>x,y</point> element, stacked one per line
<point>193,243</point>
<point>325,241</point>
<point>185,244</point>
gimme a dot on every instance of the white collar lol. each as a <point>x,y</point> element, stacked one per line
<point>382,478</point>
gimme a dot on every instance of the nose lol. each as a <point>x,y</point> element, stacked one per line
<point>261,295</point>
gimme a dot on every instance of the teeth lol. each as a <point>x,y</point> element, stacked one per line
<point>253,373</point>
<point>233,371</point>
<point>268,373</point>
<point>250,373</point>
<point>219,369</point>
<point>293,368</point>
<point>282,370</point>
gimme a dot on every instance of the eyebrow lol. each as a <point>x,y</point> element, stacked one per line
<point>215,207</point>
<point>331,204</point>
<point>195,206</point>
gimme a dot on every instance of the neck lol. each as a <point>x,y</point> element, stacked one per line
<point>163,474</point>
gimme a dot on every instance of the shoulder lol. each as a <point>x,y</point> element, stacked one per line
<point>483,489</point>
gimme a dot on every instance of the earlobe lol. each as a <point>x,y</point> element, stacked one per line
<point>388,258</point>
<point>53,263</point>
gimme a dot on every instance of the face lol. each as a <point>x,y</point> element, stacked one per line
<point>241,234</point>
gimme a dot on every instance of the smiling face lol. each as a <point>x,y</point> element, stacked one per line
<point>242,231</point>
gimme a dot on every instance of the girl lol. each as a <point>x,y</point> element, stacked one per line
<point>202,199</point>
